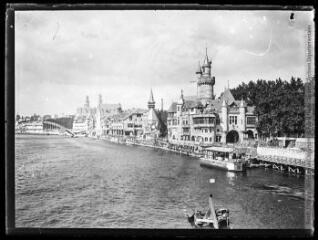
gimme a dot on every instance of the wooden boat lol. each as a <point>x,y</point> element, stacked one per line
<point>213,218</point>
<point>224,158</point>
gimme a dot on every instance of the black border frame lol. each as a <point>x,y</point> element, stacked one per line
<point>9,121</point>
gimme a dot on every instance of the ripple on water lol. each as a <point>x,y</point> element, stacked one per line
<point>82,182</point>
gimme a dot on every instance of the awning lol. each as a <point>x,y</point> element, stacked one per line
<point>220,149</point>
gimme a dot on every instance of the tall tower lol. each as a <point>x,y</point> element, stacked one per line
<point>206,81</point>
<point>100,100</point>
<point>87,102</point>
<point>151,101</point>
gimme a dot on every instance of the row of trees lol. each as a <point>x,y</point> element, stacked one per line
<point>279,105</point>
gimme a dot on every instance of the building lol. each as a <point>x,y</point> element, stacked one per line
<point>81,124</point>
<point>204,120</point>
<point>151,121</point>
<point>30,127</point>
<point>86,110</point>
<point>102,114</point>
<point>139,123</point>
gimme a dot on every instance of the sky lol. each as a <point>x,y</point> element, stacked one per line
<point>63,56</point>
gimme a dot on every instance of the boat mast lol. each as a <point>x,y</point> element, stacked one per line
<point>211,205</point>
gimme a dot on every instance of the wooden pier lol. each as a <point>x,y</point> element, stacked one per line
<point>291,160</point>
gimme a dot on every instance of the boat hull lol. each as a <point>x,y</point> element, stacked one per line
<point>228,166</point>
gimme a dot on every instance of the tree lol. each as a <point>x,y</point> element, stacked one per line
<point>279,105</point>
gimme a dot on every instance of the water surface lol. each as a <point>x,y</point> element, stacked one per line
<point>90,183</point>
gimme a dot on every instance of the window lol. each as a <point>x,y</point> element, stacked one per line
<point>250,120</point>
<point>218,138</point>
<point>206,139</point>
<point>233,120</point>
<point>210,139</point>
<point>211,120</point>
<point>198,120</point>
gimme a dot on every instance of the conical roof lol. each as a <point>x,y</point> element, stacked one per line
<point>206,59</point>
<point>181,100</point>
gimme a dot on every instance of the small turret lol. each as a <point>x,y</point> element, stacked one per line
<point>224,115</point>
<point>242,115</point>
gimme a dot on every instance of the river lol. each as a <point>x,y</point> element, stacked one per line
<point>66,182</point>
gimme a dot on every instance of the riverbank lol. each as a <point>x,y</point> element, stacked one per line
<point>155,143</point>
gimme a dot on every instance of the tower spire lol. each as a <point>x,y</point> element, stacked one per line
<point>181,100</point>
<point>206,60</point>
<point>151,101</point>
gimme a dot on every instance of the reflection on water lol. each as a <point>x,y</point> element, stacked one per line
<point>82,182</point>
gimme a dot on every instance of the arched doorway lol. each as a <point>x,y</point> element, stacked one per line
<point>250,134</point>
<point>232,137</point>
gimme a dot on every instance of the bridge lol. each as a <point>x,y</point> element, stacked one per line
<point>54,125</point>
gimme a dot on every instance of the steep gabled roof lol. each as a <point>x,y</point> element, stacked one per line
<point>227,96</point>
<point>190,98</point>
<point>216,104</point>
<point>173,107</point>
<point>152,115</point>
<point>192,104</point>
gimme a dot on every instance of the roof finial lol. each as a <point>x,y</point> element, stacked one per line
<point>206,59</point>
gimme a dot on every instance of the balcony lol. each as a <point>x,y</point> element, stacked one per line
<point>203,125</point>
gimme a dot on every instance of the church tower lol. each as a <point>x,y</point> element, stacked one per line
<point>86,105</point>
<point>100,100</point>
<point>205,80</point>
<point>151,101</point>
